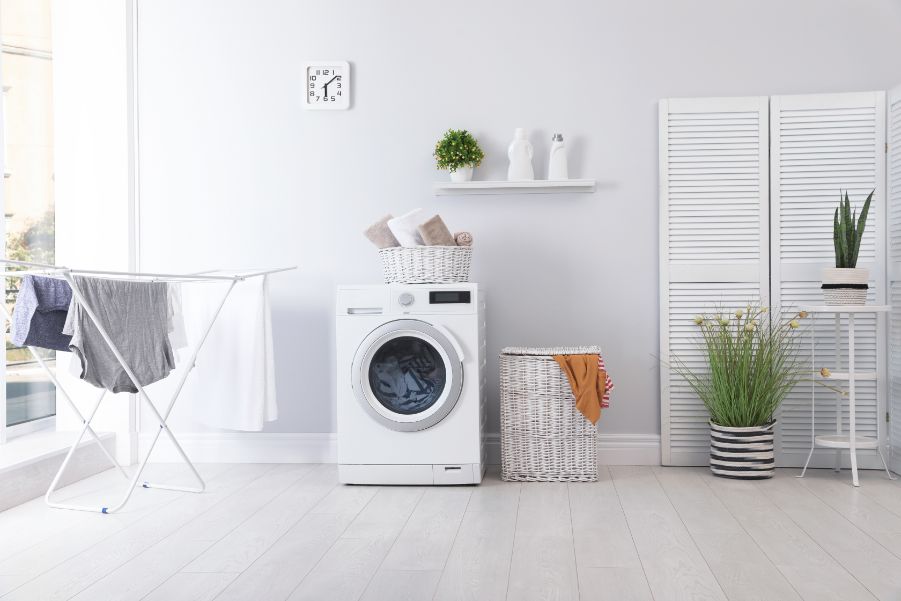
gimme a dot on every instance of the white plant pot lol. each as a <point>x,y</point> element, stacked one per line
<point>462,174</point>
<point>845,286</point>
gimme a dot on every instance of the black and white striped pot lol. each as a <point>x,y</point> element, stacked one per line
<point>744,453</point>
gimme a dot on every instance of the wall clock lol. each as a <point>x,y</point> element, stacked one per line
<point>327,85</point>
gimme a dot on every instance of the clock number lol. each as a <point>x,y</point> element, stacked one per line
<point>312,93</point>
<point>339,93</point>
<point>312,78</point>
<point>325,71</point>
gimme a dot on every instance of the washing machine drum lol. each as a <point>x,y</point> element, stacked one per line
<point>407,375</point>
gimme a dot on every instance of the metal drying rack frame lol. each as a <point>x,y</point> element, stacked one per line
<point>68,274</point>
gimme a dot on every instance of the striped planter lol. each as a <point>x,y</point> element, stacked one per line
<point>743,453</point>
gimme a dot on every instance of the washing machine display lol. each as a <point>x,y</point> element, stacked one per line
<point>407,375</point>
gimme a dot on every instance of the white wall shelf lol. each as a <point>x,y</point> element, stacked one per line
<point>538,186</point>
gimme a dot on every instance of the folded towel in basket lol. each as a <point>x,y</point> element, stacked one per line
<point>405,228</point>
<point>380,235</point>
<point>588,383</point>
<point>435,233</point>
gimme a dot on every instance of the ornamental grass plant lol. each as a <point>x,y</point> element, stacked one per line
<point>750,363</point>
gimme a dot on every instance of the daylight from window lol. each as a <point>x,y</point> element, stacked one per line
<point>26,69</point>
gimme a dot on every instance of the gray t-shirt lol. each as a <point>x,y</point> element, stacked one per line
<point>135,316</point>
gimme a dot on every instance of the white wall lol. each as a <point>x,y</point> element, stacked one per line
<point>235,173</point>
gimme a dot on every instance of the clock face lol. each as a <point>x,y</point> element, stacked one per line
<point>327,85</point>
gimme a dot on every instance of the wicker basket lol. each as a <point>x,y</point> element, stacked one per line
<point>845,296</point>
<point>426,264</point>
<point>544,438</point>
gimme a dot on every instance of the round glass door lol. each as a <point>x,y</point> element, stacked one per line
<point>407,375</point>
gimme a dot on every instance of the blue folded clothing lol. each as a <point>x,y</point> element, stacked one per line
<point>40,313</point>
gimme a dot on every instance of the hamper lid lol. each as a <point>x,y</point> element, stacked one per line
<point>551,350</point>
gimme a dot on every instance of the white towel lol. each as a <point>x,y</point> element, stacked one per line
<point>406,228</point>
<point>233,385</point>
<point>178,334</point>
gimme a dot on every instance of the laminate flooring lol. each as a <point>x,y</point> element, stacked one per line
<point>291,532</point>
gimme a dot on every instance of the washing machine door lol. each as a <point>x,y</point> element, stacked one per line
<point>407,375</point>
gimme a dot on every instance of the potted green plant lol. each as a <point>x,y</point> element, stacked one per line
<point>458,152</point>
<point>750,363</point>
<point>846,283</point>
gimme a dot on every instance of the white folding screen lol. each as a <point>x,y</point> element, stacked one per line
<point>714,229</point>
<point>748,187</point>
<point>821,144</point>
<point>893,200</point>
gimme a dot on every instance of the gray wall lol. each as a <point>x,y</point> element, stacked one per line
<point>235,173</point>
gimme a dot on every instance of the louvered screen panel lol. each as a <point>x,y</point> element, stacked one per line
<point>893,199</point>
<point>714,241</point>
<point>821,144</point>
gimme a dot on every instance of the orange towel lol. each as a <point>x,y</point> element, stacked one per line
<point>587,383</point>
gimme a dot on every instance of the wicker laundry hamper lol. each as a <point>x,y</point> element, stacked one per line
<point>426,264</point>
<point>544,438</point>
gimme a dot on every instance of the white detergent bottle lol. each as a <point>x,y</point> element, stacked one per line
<point>520,154</point>
<point>557,168</point>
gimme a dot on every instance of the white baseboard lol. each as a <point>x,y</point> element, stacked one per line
<point>261,447</point>
<point>245,447</point>
<point>629,449</point>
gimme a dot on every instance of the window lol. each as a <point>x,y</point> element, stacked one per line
<point>28,203</point>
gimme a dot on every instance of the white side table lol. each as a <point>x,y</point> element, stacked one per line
<point>840,441</point>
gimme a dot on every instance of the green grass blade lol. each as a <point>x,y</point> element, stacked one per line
<point>861,225</point>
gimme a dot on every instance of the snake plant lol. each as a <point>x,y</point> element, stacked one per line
<point>847,231</point>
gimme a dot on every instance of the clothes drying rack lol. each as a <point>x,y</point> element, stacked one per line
<point>67,274</point>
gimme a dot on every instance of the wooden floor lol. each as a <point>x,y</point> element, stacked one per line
<point>274,532</point>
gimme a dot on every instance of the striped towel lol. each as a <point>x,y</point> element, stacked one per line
<point>608,384</point>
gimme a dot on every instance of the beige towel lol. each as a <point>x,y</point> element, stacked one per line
<point>435,233</point>
<point>379,234</point>
<point>463,239</point>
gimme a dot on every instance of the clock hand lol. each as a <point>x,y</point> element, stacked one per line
<point>331,80</point>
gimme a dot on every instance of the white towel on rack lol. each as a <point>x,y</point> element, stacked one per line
<point>178,334</point>
<point>233,385</point>
<point>406,228</point>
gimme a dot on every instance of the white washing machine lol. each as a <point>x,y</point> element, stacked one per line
<point>411,384</point>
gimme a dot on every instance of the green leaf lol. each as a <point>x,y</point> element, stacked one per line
<point>861,225</point>
<point>848,228</point>
<point>839,260</point>
<point>843,249</point>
